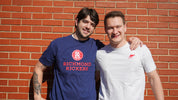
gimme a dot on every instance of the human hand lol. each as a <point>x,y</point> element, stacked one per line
<point>135,42</point>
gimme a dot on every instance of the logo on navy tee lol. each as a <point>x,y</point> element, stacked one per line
<point>77,55</point>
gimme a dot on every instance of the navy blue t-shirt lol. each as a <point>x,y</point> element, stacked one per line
<point>74,68</point>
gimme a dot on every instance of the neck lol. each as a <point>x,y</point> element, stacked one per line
<point>77,36</point>
<point>118,45</point>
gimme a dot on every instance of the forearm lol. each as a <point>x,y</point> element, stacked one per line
<point>37,80</point>
<point>157,88</point>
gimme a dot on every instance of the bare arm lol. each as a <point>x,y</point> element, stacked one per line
<point>135,42</point>
<point>156,85</point>
<point>37,80</point>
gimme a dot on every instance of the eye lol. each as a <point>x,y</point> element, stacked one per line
<point>85,21</point>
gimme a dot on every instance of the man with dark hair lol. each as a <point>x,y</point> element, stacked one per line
<point>73,58</point>
<point>122,69</point>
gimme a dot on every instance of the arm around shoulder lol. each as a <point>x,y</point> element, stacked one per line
<point>37,80</point>
<point>156,85</point>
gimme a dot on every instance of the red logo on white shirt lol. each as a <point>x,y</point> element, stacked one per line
<point>77,55</point>
<point>131,55</point>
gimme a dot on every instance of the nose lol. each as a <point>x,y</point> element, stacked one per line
<point>114,30</point>
<point>88,25</point>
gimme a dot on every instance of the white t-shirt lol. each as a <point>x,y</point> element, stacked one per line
<point>122,72</point>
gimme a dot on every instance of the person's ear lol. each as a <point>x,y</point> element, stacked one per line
<point>76,21</point>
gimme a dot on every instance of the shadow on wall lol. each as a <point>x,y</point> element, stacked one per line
<point>47,76</point>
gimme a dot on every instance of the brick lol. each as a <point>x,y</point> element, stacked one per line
<point>164,78</point>
<point>24,89</point>
<point>35,55</point>
<point>63,16</point>
<point>162,65</point>
<point>4,28</point>
<point>29,62</point>
<point>173,65</point>
<point>168,45</point>
<point>168,58</point>
<point>168,72</point>
<point>147,18</point>
<point>173,78</point>
<point>158,0</point>
<point>9,75</point>
<point>136,11</point>
<point>21,15</point>
<point>5,2</point>
<point>8,89</point>
<point>3,82</point>
<point>98,37</point>
<point>3,96</point>
<point>42,3</point>
<point>5,15</point>
<point>170,86</point>
<point>168,6</point>
<point>18,83</point>
<point>42,16</point>
<point>25,75</point>
<point>9,62</point>
<point>30,49</point>
<point>168,19</point>
<point>32,9</point>
<point>173,52</point>
<point>116,9</point>
<point>11,21</point>
<point>157,12</point>
<point>131,31</point>
<point>167,32</point>
<point>173,38</point>
<point>126,5</point>
<point>9,48</point>
<point>17,96</point>
<point>53,9</point>
<point>100,10</point>
<point>22,2</point>
<point>99,30</point>
<point>137,24</point>
<point>84,4</point>
<point>11,8</point>
<point>173,1</point>
<point>3,55</point>
<point>146,5</point>
<point>52,22</point>
<point>170,98</point>
<point>158,25</point>
<point>51,36</point>
<point>71,10</point>
<point>173,25</point>
<point>130,18</point>
<point>63,29</point>
<point>151,45</point>
<point>63,3</point>
<point>31,35</point>
<point>41,29</point>
<point>18,69</point>
<point>31,22</point>
<point>158,38</point>
<point>68,23</point>
<point>21,28</point>
<point>4,68</point>
<point>5,41</point>
<point>9,35</point>
<point>104,4</point>
<point>137,0</point>
<point>19,55</point>
<point>159,52</point>
<point>173,12</point>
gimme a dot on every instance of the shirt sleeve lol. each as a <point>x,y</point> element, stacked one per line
<point>48,56</point>
<point>147,60</point>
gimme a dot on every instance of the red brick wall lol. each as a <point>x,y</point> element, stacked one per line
<point>28,26</point>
